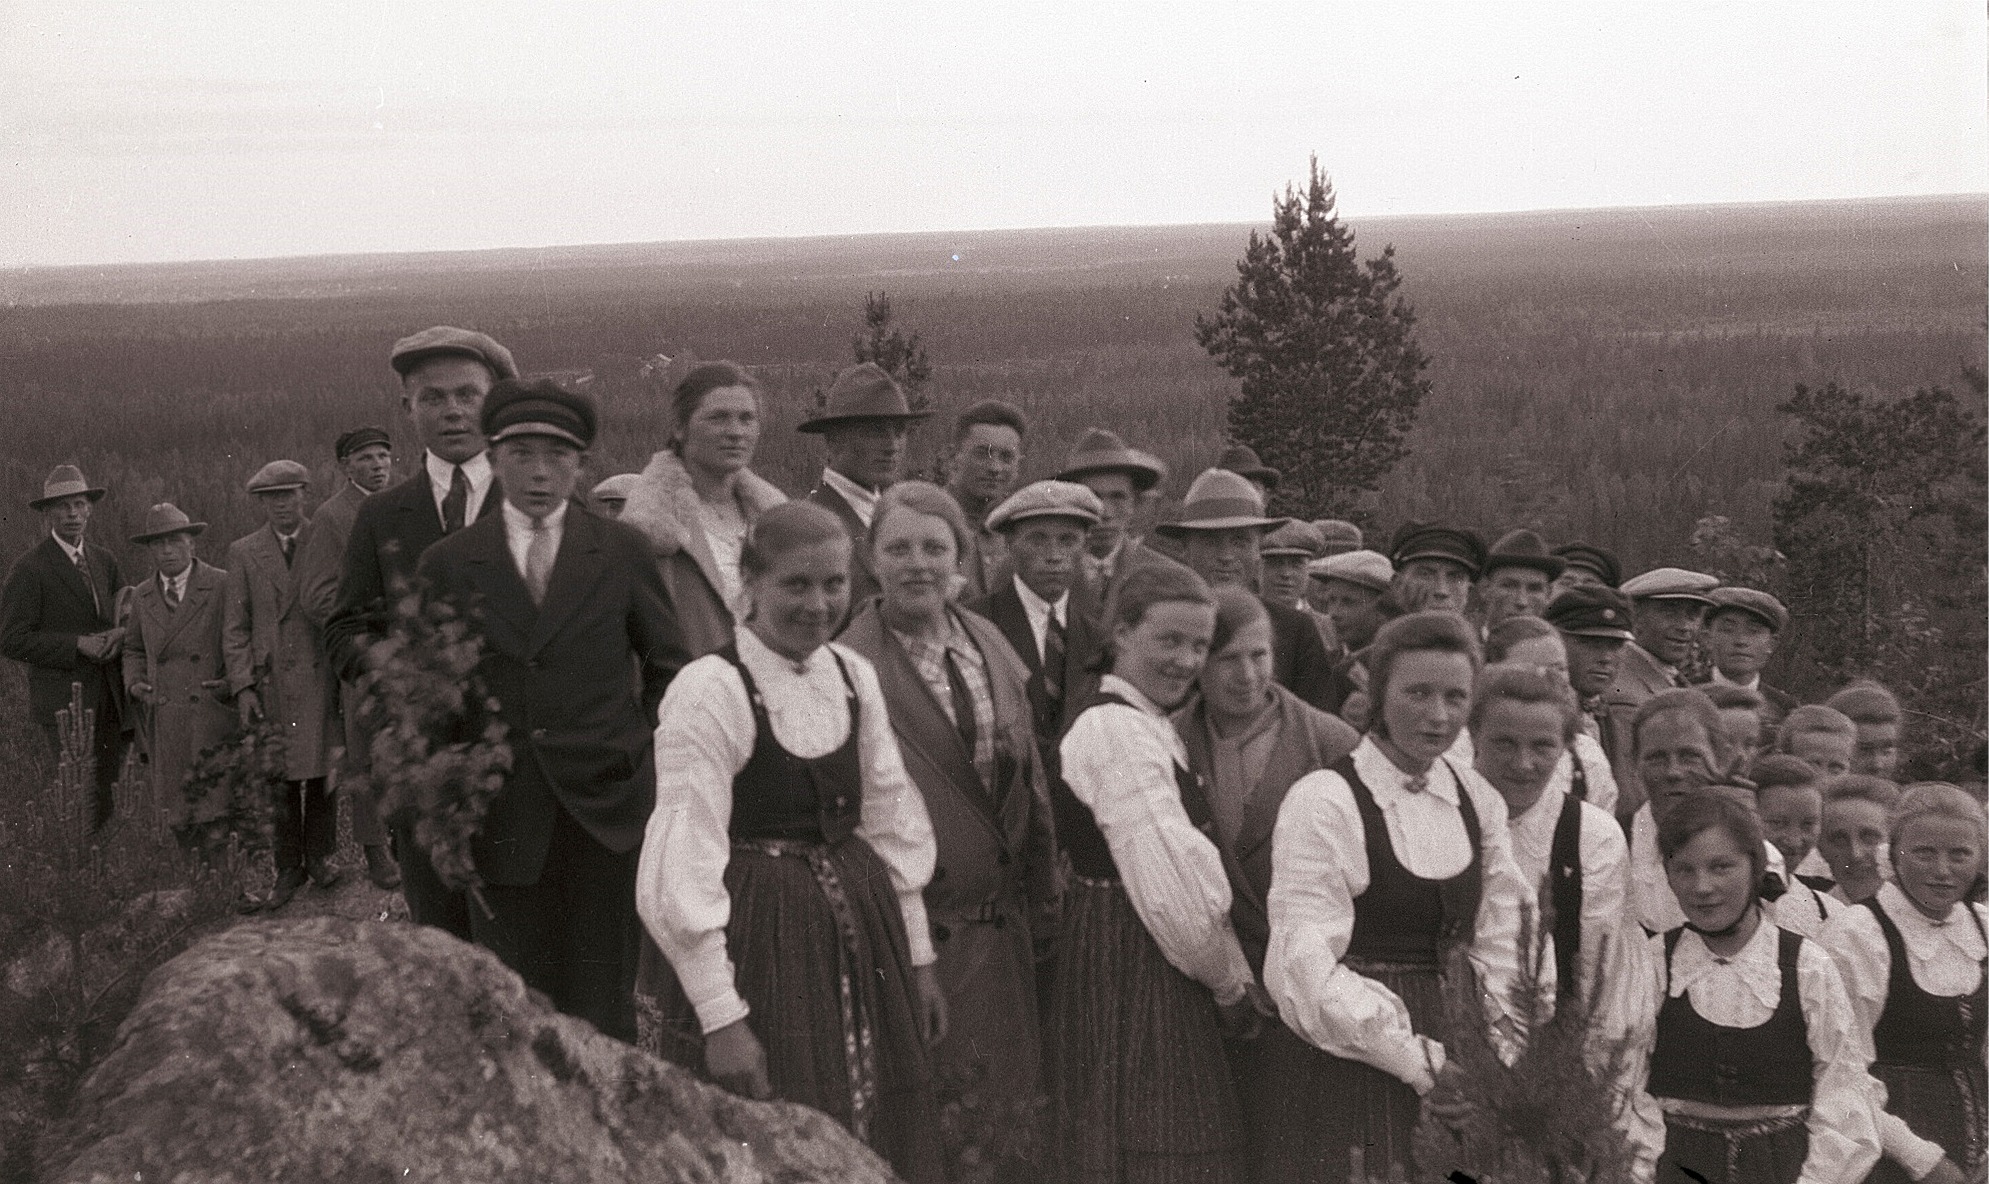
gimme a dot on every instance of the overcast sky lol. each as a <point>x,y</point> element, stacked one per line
<point>177,129</point>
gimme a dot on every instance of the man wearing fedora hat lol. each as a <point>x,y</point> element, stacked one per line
<point>1221,527</point>
<point>175,672</point>
<point>1241,459</point>
<point>58,617</point>
<point>445,374</point>
<point>1126,482</point>
<point>277,670</point>
<point>864,421</point>
<point>567,604</point>
<point>1519,578</point>
<point>365,456</point>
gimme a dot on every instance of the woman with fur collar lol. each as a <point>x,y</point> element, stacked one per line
<point>698,498</point>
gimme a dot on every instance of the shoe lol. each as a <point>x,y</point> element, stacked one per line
<point>287,883</point>
<point>381,868</point>
<point>324,875</point>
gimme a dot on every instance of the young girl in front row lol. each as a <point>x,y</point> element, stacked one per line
<point>1756,1070</point>
<point>1913,959</point>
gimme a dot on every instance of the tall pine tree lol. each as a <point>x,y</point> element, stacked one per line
<point>1326,351</point>
<point>902,357</point>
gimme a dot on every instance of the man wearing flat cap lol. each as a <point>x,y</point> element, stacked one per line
<point>1741,630</point>
<point>58,618</point>
<point>1337,536</point>
<point>1347,589</point>
<point>277,672</point>
<point>1126,482</point>
<point>1519,578</point>
<point>1435,566</point>
<point>175,672</point>
<point>1667,614</point>
<point>864,421</point>
<point>1586,564</point>
<point>365,456</point>
<point>1281,578</point>
<point>1221,527</point>
<point>563,600</point>
<point>445,373</point>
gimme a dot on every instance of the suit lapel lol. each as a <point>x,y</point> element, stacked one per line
<point>69,573</point>
<point>266,556</point>
<point>1005,609</point>
<point>1014,715</point>
<point>198,589</point>
<point>576,568</point>
<point>839,505</point>
<point>502,591</point>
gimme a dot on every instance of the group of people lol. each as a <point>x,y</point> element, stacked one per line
<point>899,791</point>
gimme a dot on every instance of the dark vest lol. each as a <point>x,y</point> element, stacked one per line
<point>1077,830</point>
<point>778,795</point>
<point>1766,1065</point>
<point>1564,892</point>
<point>1920,1030</point>
<point>1402,917</point>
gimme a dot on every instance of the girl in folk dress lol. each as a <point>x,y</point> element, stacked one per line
<point>781,872</point>
<point>1150,975</point>
<point>1913,957</point>
<point>1381,866</point>
<point>1755,1068</point>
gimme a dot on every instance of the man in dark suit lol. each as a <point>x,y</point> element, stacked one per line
<point>1222,524</point>
<point>57,616</point>
<point>864,422</point>
<point>445,374</point>
<point>562,600</point>
<point>1039,607</point>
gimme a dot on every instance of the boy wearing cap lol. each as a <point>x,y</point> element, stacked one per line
<point>864,422</point>
<point>1519,578</point>
<point>1435,566</point>
<point>365,456</point>
<point>563,600</point>
<point>174,669</point>
<point>1741,630</point>
<point>58,618</point>
<point>277,671</point>
<point>445,373</point>
<point>988,441</point>
<point>1594,622</point>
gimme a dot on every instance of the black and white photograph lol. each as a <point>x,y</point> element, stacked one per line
<point>847,591</point>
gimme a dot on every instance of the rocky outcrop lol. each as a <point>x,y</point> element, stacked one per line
<point>333,1050</point>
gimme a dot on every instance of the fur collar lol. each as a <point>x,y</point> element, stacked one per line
<point>663,504</point>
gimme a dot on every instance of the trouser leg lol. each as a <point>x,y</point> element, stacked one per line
<point>287,823</point>
<point>429,901</point>
<point>354,782</point>
<point>318,827</point>
<point>600,946</point>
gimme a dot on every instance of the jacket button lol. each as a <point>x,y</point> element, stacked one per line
<point>538,733</point>
<point>941,933</point>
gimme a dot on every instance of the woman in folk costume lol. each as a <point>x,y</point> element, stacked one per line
<point>1584,771</point>
<point>698,497</point>
<point>1150,975</point>
<point>959,706</point>
<point>1913,959</point>
<point>1755,1070</point>
<point>1381,867</point>
<point>781,872</point>
<point>1250,739</point>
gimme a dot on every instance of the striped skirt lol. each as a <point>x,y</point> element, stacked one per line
<point>1705,1151</point>
<point>1318,1117</point>
<point>1941,1105</point>
<point>1139,1076</point>
<point>818,947</point>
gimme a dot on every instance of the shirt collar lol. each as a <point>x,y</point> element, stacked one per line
<point>440,472</point>
<point>75,553</point>
<point>1040,609</point>
<point>863,501</point>
<point>759,653</point>
<point>1113,684</point>
<point>1752,684</point>
<point>519,522</point>
<point>1923,933</point>
<point>1388,783</point>
<point>1548,803</point>
<point>1757,965</point>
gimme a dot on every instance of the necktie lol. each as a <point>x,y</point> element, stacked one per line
<point>83,566</point>
<point>290,547</point>
<point>172,593</point>
<point>456,502</point>
<point>1053,657</point>
<point>538,560</point>
<point>963,702</point>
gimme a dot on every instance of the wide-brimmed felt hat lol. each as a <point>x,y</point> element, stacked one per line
<point>166,519</point>
<point>1100,451</point>
<point>1596,559</point>
<point>1047,499</point>
<point>1752,602</point>
<point>416,348</point>
<point>1294,539</point>
<point>1339,536</point>
<point>352,441</point>
<point>1671,583</point>
<point>1367,569</point>
<point>1220,500</point>
<point>539,407</point>
<point>1423,540</point>
<point>64,481</point>
<point>1523,548</point>
<point>864,391</point>
<point>1241,459</point>
<point>1589,610</point>
<point>278,476</point>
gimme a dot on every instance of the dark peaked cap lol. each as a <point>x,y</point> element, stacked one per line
<point>1421,540</point>
<point>539,407</point>
<point>1523,548</point>
<point>1589,611</point>
<point>1602,562</point>
<point>1100,451</point>
<point>358,438</point>
<point>864,391</point>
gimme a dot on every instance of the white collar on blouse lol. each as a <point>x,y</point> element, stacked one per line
<point>1114,684</point>
<point>759,653</point>
<point>1926,937</point>
<point>1757,965</point>
<point>1388,783</point>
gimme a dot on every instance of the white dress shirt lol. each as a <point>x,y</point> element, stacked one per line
<point>518,535</point>
<point>863,501</point>
<point>1946,959</point>
<point>1120,761</point>
<point>1743,992</point>
<point>1605,869</point>
<point>1041,612</point>
<point>173,588</point>
<point>1651,899</point>
<point>1318,868</point>
<point>441,474</point>
<point>704,737</point>
<point>1753,682</point>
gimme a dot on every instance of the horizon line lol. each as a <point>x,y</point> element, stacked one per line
<point>25,269</point>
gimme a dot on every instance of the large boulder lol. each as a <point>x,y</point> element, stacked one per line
<point>335,1050</point>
